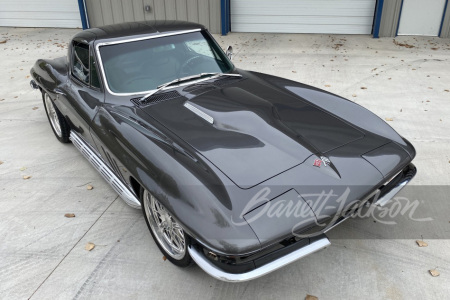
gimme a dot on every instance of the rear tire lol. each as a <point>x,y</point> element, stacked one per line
<point>167,233</point>
<point>57,122</point>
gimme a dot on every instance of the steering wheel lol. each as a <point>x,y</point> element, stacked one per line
<point>187,68</point>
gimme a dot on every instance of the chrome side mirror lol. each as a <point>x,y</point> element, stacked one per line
<point>229,52</point>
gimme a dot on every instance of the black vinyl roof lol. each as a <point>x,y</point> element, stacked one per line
<point>135,29</point>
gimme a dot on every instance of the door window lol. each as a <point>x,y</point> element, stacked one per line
<point>80,61</point>
<point>84,67</point>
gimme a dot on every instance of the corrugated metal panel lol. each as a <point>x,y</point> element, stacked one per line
<point>105,12</point>
<point>49,13</point>
<point>445,31</point>
<point>95,13</point>
<point>192,11</point>
<point>181,8</point>
<point>303,16</point>
<point>128,14</point>
<point>117,11</point>
<point>389,18</point>
<point>203,12</point>
<point>160,9</point>
<point>214,14</point>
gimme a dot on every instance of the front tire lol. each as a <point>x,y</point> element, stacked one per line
<point>166,231</point>
<point>57,122</point>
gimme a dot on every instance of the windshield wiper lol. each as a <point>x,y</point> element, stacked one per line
<point>187,78</point>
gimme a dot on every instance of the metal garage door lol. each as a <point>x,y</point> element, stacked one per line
<point>42,13</point>
<point>420,17</point>
<point>303,16</point>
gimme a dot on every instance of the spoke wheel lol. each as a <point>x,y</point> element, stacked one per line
<point>167,232</point>
<point>52,115</point>
<point>57,121</point>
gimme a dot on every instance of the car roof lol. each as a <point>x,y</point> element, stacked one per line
<point>135,29</point>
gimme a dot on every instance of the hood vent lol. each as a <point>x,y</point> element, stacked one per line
<point>198,89</point>
<point>159,97</point>
<point>227,80</point>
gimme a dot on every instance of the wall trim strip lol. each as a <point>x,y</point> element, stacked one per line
<point>225,16</point>
<point>83,14</point>
<point>378,14</point>
<point>399,17</point>
<point>443,18</point>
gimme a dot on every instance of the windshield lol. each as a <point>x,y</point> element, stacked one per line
<point>141,66</point>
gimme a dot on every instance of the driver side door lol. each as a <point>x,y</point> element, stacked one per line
<point>83,95</point>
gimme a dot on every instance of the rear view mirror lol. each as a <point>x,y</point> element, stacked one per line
<point>230,52</point>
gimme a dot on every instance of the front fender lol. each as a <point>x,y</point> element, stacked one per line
<point>177,176</point>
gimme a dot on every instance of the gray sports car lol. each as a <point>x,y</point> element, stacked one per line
<point>241,172</point>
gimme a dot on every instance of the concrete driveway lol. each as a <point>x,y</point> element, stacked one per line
<point>42,253</point>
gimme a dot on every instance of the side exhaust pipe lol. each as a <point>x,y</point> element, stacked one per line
<point>34,85</point>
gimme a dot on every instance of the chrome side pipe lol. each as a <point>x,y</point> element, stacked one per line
<point>118,185</point>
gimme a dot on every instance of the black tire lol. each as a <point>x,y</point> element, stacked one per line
<point>57,122</point>
<point>181,261</point>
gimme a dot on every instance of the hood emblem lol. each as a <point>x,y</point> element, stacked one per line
<point>324,160</point>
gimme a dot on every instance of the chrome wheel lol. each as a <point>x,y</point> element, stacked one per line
<point>165,228</point>
<point>52,115</point>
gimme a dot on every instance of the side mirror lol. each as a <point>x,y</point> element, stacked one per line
<point>229,52</point>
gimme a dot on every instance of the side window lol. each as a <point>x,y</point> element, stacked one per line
<point>80,62</point>
<point>95,82</point>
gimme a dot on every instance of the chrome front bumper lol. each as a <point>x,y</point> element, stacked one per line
<point>215,272</point>
<point>398,183</point>
<point>385,194</point>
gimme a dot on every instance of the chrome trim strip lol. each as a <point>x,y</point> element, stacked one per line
<point>124,192</point>
<point>385,199</point>
<point>403,182</point>
<point>97,50</point>
<point>217,273</point>
<point>199,113</point>
<point>86,14</point>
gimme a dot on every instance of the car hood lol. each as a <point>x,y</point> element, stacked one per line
<point>257,131</point>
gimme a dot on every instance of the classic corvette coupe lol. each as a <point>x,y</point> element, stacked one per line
<point>238,171</point>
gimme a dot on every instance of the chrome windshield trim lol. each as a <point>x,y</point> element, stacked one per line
<point>97,51</point>
<point>217,273</point>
